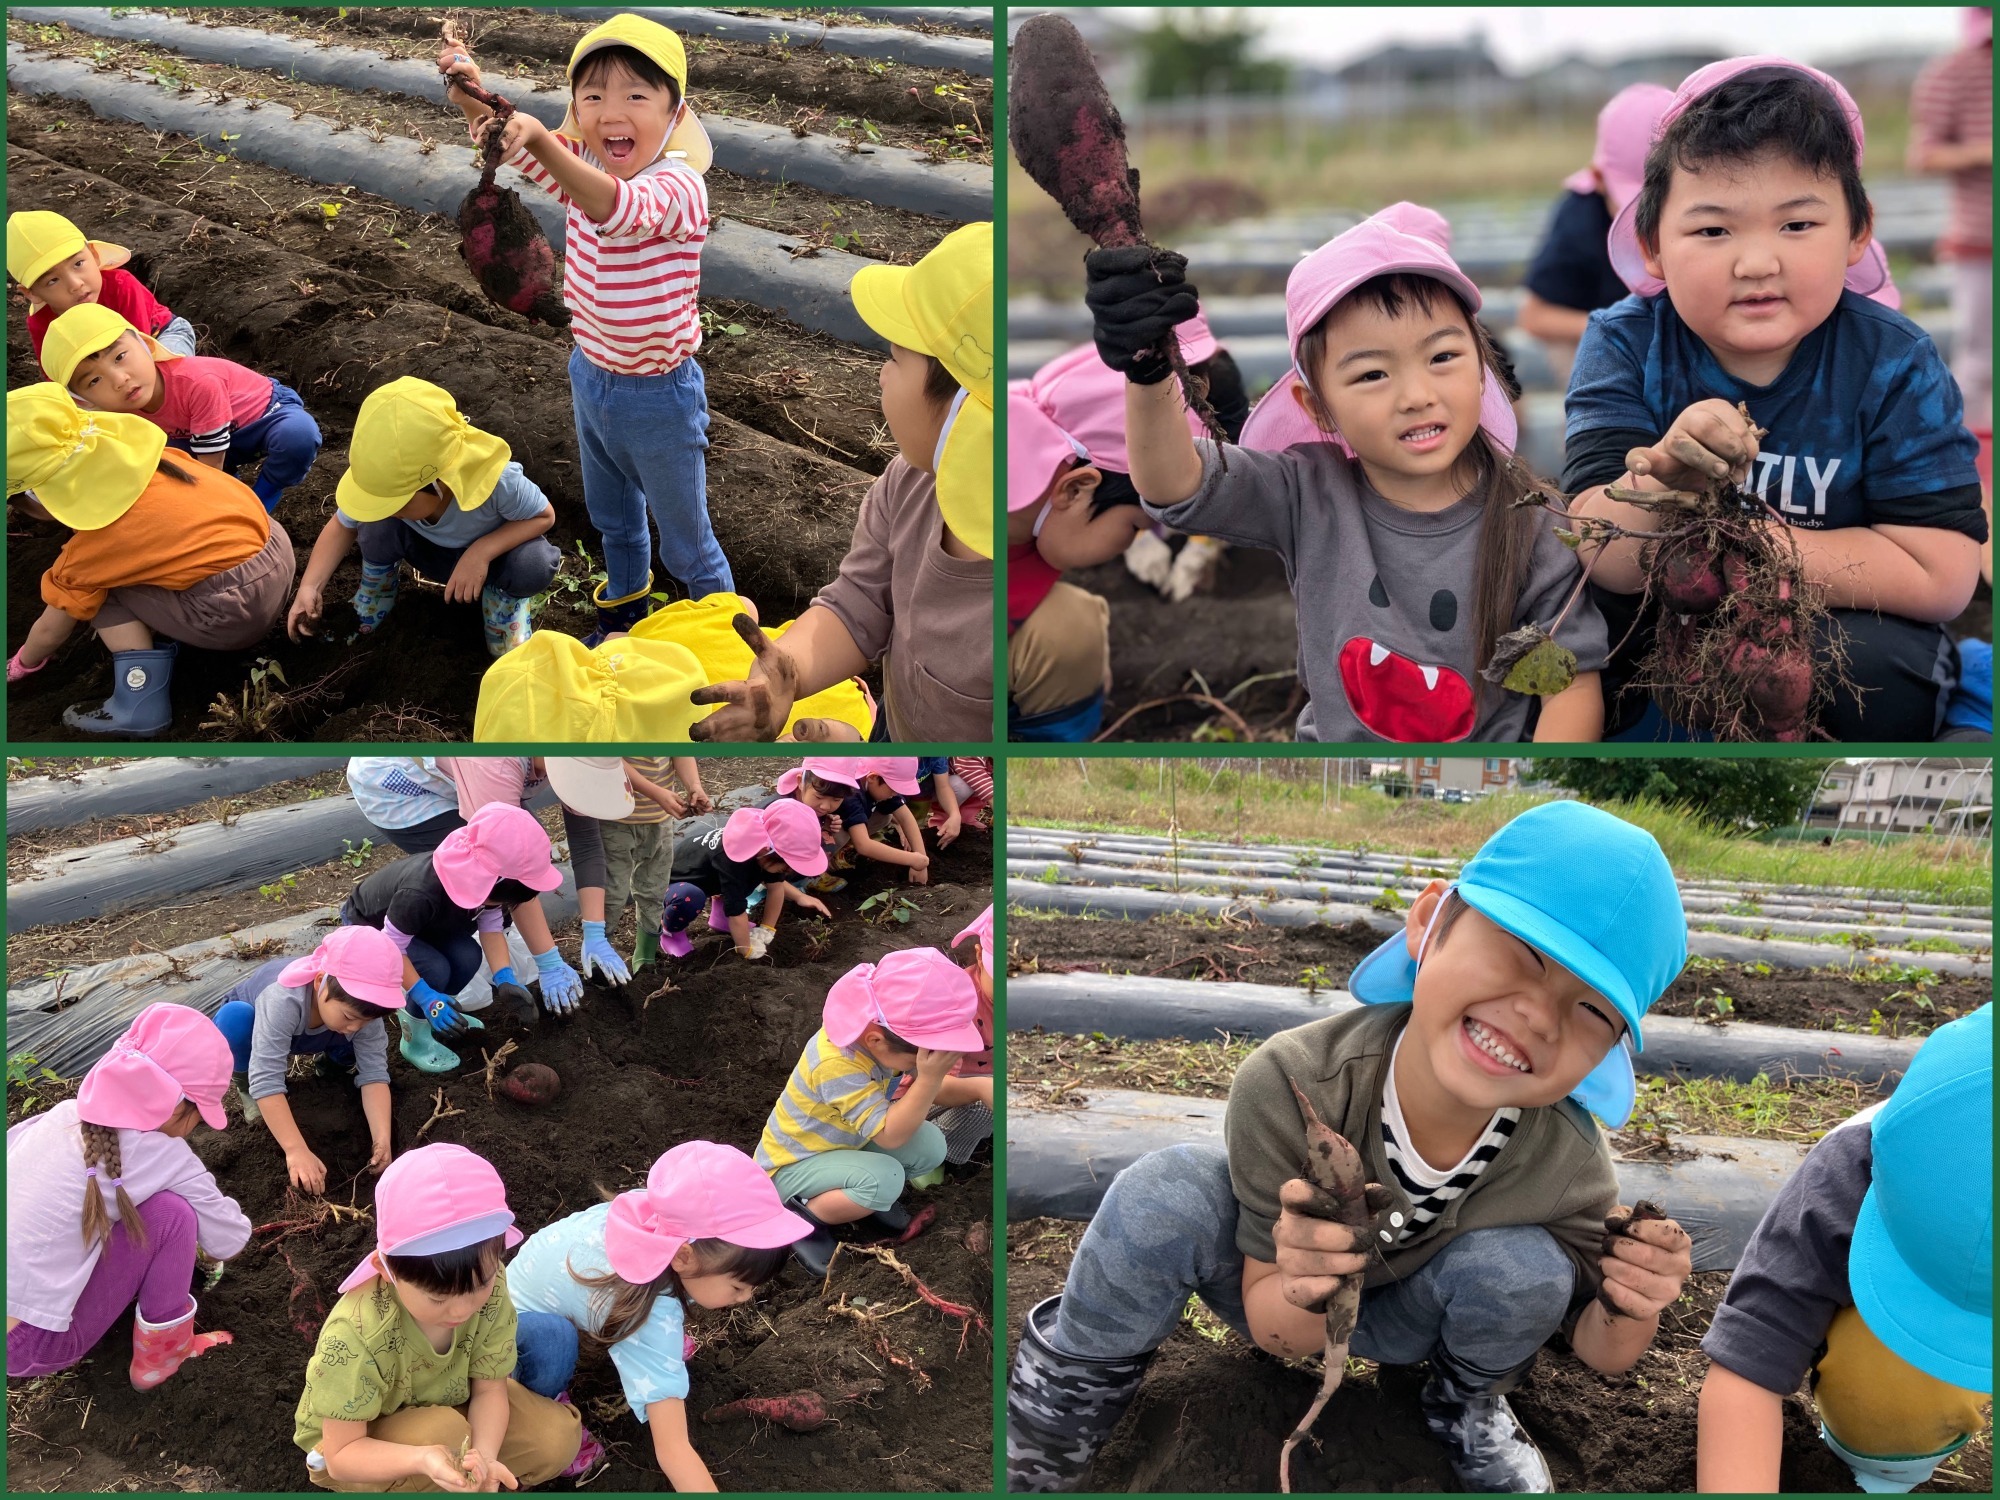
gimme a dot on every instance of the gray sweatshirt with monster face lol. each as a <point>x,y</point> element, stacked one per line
<point>1384,595</point>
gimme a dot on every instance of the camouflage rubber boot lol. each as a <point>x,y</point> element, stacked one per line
<point>1490,1452</point>
<point>1061,1407</point>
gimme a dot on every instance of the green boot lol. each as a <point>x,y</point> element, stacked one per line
<point>647,949</point>
<point>251,1113</point>
<point>421,1048</point>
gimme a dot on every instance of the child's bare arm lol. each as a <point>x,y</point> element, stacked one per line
<point>869,847</point>
<point>1920,572</point>
<point>672,1447</point>
<point>689,776</point>
<point>908,1112</point>
<point>1644,1270</point>
<point>468,577</point>
<point>595,192</point>
<point>213,460</point>
<point>1740,1434</point>
<point>45,637</point>
<point>1166,469</point>
<point>1575,716</point>
<point>1551,321</point>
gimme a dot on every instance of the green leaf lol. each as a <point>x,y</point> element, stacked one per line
<point>1545,671</point>
<point>736,329</point>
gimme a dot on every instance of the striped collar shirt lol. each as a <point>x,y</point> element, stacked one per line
<point>1430,1190</point>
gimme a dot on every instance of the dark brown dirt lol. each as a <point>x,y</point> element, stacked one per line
<point>1814,999</point>
<point>333,336</point>
<point>702,1061</point>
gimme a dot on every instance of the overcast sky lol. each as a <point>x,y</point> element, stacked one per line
<point>1524,37</point>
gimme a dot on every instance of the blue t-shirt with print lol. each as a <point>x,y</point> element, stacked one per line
<point>1865,424</point>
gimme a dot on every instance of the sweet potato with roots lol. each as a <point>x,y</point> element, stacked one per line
<point>532,1084</point>
<point>801,1411</point>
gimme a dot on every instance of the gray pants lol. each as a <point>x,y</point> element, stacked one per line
<point>1167,1230</point>
<point>178,336</point>
<point>638,867</point>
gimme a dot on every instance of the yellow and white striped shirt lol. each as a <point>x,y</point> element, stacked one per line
<point>835,1100</point>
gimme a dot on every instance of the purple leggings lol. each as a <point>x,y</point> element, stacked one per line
<point>157,1275</point>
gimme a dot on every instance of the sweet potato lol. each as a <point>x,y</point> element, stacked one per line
<point>801,1411</point>
<point>1691,582</point>
<point>532,1084</point>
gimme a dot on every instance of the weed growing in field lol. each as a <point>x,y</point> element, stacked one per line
<point>279,889</point>
<point>356,855</point>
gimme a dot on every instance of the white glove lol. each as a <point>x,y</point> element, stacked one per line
<point>1194,570</point>
<point>1149,559</point>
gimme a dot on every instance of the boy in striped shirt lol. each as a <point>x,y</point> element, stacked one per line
<point>1489,1032</point>
<point>835,1145</point>
<point>627,163</point>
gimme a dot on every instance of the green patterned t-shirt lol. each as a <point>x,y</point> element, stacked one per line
<point>373,1359</point>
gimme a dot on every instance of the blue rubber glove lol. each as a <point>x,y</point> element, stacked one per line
<point>599,958</point>
<point>446,1019</point>
<point>508,990</point>
<point>562,986</point>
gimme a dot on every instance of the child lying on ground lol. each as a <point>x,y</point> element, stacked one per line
<point>1757,283</point>
<point>409,1385</point>
<point>330,1004</point>
<point>708,1229</point>
<point>837,1148</point>
<point>1381,470</point>
<point>161,544</point>
<point>149,1205</point>
<point>428,488</point>
<point>1490,1031</point>
<point>58,268</point>
<point>728,865</point>
<point>1870,1272</point>
<point>223,413</point>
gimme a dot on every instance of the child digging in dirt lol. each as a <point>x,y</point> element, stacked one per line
<point>409,1385</point>
<point>1381,470</point>
<point>627,164</point>
<point>728,865</point>
<point>330,1005</point>
<point>1490,1031</point>
<point>58,268</point>
<point>1873,1270</point>
<point>915,591</point>
<point>450,909</point>
<point>161,545</point>
<point>1756,282</point>
<point>638,848</point>
<point>428,488</point>
<point>837,1147</point>
<point>149,1205</point>
<point>878,802</point>
<point>225,414</point>
<point>708,1229</point>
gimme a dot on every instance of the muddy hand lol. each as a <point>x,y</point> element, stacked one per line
<point>1646,1258</point>
<point>1315,1251</point>
<point>1710,441</point>
<point>755,708</point>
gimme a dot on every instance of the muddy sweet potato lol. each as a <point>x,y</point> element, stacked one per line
<point>509,255</point>
<point>801,1411</point>
<point>1691,582</point>
<point>532,1084</point>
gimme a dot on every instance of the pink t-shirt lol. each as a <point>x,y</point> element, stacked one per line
<point>122,292</point>
<point>47,1264</point>
<point>207,400</point>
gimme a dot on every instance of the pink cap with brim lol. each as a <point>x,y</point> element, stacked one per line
<point>1975,25</point>
<point>844,772</point>
<point>899,771</point>
<point>980,927</point>
<point>697,1191</point>
<point>1036,447</point>
<point>434,1199</point>
<point>499,842</point>
<point>1869,275</point>
<point>362,960</point>
<point>1404,237</point>
<point>788,828</point>
<point>1625,131</point>
<point>918,993</point>
<point>169,1053</point>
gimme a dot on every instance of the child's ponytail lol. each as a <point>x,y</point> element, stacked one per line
<point>102,1161</point>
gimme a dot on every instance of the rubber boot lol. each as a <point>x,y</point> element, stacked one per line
<point>615,616</point>
<point>1888,1476</point>
<point>929,1180</point>
<point>589,1451</point>
<point>159,1349</point>
<point>1490,1452</point>
<point>505,619</point>
<point>421,1049</point>
<point>139,707</point>
<point>380,583</point>
<point>717,922</point>
<point>676,944</point>
<point>1061,1407</point>
<point>815,1251</point>
<point>891,1220</point>
<point>646,949</point>
<point>251,1113</point>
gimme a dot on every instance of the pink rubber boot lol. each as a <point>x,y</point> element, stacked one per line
<point>159,1349</point>
<point>589,1452</point>
<point>676,944</point>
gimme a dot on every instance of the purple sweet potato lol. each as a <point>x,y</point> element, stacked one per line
<point>532,1084</point>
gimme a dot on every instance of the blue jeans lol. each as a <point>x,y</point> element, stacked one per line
<point>544,1352</point>
<point>1167,1230</point>
<point>285,437</point>
<point>520,572</point>
<point>237,1021</point>
<point>643,444</point>
<point>178,336</point>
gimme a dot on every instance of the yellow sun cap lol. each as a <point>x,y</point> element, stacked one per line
<point>86,467</point>
<point>86,329</point>
<point>39,241</point>
<point>408,433</point>
<point>703,627</point>
<point>943,306</point>
<point>554,688</point>
<point>685,136</point>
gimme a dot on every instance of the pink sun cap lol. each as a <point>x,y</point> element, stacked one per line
<point>788,828</point>
<point>697,1191</point>
<point>499,842</point>
<point>1404,237</point>
<point>1625,131</point>
<point>846,772</point>
<point>1869,275</point>
<point>434,1199</point>
<point>1074,406</point>
<point>918,993</point>
<point>365,962</point>
<point>899,771</point>
<point>168,1053</point>
<point>980,927</point>
<point>1975,25</point>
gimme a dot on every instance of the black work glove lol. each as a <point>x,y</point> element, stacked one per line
<point>515,999</point>
<point>1136,296</point>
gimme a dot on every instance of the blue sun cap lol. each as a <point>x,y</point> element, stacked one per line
<point>1921,1261</point>
<point>1586,889</point>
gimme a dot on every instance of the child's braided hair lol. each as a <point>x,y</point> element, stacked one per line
<point>103,1161</point>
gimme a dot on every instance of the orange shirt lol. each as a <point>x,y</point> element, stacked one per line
<point>175,535</point>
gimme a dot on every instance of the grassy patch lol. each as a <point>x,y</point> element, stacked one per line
<point>1801,1109</point>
